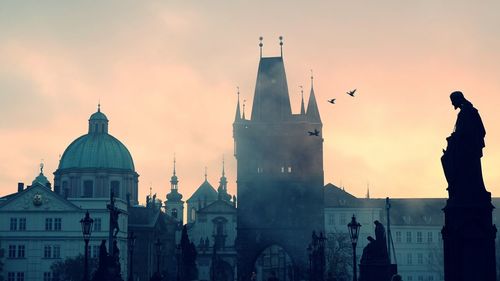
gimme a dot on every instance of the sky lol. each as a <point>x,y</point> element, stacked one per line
<point>166,73</point>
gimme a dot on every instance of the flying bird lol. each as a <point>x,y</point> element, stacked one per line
<point>332,101</point>
<point>315,133</point>
<point>351,93</point>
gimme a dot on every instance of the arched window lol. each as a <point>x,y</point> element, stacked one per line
<point>193,214</point>
<point>174,213</point>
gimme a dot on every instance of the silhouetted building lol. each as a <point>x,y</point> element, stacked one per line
<point>279,176</point>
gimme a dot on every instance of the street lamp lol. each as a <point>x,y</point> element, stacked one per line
<point>86,223</point>
<point>354,227</point>
<point>158,250</point>
<point>131,244</point>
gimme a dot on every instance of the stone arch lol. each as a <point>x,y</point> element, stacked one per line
<point>274,259</point>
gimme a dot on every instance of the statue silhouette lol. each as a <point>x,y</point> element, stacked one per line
<point>462,158</point>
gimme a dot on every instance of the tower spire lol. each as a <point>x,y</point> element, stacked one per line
<point>244,103</point>
<point>312,112</point>
<point>205,173</point>
<point>281,45</point>
<point>368,190</point>
<point>302,107</point>
<point>237,117</point>
<point>260,45</point>
<point>223,168</point>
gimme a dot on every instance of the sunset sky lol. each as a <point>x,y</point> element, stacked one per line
<point>166,74</point>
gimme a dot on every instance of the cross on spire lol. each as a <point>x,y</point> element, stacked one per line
<point>260,45</point>
<point>281,45</point>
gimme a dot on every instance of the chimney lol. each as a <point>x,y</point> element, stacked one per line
<point>20,186</point>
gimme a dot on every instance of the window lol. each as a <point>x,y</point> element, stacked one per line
<point>13,224</point>
<point>56,252</point>
<point>289,169</point>
<point>342,219</point>
<point>193,214</point>
<point>331,219</point>
<point>48,224</point>
<point>419,237</point>
<point>420,278</point>
<point>282,169</point>
<point>420,258</point>
<point>408,237</point>
<point>398,236</point>
<point>430,259</point>
<point>409,258</point>
<point>97,224</point>
<point>174,213</point>
<point>20,276</point>
<point>22,224</point>
<point>20,251</point>
<point>47,251</point>
<point>57,224</point>
<point>88,189</point>
<point>94,253</point>
<point>115,187</point>
<point>410,278</point>
<point>11,276</point>
<point>260,170</point>
<point>47,276</point>
<point>12,251</point>
<point>429,237</point>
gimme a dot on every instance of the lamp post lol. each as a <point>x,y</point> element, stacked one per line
<point>131,244</point>
<point>86,223</point>
<point>158,250</point>
<point>354,227</point>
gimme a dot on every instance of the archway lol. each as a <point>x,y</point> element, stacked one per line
<point>274,260</point>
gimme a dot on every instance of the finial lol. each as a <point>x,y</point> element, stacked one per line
<point>205,173</point>
<point>99,106</point>
<point>260,45</point>
<point>238,93</point>
<point>301,91</point>
<point>150,189</point>
<point>312,78</point>
<point>174,164</point>
<point>223,168</point>
<point>244,103</point>
<point>41,166</point>
<point>281,45</point>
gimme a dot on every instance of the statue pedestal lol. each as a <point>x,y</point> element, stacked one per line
<point>469,239</point>
<point>377,272</point>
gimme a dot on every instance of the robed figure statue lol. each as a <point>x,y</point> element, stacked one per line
<point>462,158</point>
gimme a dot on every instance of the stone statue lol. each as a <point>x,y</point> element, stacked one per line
<point>376,250</point>
<point>462,158</point>
<point>113,216</point>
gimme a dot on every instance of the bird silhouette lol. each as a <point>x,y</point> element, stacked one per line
<point>351,93</point>
<point>315,133</point>
<point>332,101</point>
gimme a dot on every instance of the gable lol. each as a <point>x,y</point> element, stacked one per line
<point>37,198</point>
<point>218,206</point>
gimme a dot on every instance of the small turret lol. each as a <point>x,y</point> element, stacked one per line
<point>312,113</point>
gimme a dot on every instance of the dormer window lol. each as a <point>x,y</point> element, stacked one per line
<point>289,169</point>
<point>282,169</point>
<point>260,170</point>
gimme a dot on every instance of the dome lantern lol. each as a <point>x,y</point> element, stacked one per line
<point>98,122</point>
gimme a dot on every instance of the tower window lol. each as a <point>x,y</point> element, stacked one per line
<point>282,169</point>
<point>289,169</point>
<point>88,189</point>
<point>174,213</point>
<point>260,170</point>
<point>193,214</point>
<point>115,188</point>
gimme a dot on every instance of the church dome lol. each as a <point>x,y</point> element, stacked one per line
<point>97,149</point>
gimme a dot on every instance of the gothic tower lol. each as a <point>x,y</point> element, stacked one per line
<point>279,173</point>
<point>174,203</point>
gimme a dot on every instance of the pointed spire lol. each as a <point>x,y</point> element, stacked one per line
<point>244,103</point>
<point>222,190</point>
<point>368,191</point>
<point>302,107</point>
<point>260,45</point>
<point>312,107</point>
<point>174,164</point>
<point>174,195</point>
<point>281,45</point>
<point>237,117</point>
<point>223,166</point>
